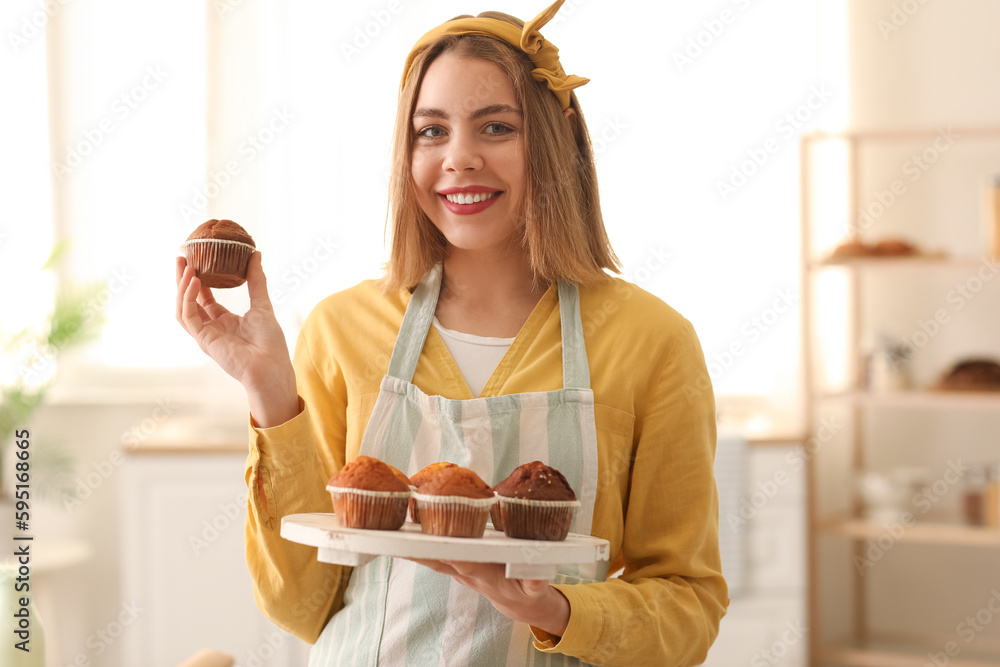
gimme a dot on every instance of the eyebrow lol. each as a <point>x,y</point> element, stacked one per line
<point>492,109</point>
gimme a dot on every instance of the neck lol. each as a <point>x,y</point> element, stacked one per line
<point>488,294</point>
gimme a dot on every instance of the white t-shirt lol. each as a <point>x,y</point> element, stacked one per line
<point>477,356</point>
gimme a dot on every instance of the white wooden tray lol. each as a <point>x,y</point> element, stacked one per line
<point>525,559</point>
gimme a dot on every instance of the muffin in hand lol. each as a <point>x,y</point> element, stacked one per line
<point>219,251</point>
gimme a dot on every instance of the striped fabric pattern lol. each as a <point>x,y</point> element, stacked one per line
<point>398,613</point>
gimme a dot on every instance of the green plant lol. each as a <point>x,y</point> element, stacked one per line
<point>76,317</point>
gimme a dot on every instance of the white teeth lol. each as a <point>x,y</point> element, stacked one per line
<point>468,198</point>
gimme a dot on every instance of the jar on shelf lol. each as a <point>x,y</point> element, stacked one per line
<point>888,369</point>
<point>887,497</point>
<point>991,499</point>
<point>974,495</point>
<point>994,217</point>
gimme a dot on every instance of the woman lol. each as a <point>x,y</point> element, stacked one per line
<point>496,337</point>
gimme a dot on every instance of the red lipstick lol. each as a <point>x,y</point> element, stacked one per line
<point>471,208</point>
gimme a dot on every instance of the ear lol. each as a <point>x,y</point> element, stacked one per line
<point>573,119</point>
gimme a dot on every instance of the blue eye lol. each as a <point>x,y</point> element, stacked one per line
<point>431,131</point>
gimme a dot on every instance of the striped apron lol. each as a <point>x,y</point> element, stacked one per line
<point>399,613</point>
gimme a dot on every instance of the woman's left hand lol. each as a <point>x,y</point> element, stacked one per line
<point>526,600</point>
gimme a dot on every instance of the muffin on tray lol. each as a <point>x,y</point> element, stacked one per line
<point>422,476</point>
<point>367,493</point>
<point>399,475</point>
<point>454,502</point>
<point>535,502</point>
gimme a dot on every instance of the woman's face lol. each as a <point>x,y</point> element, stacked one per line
<point>468,156</point>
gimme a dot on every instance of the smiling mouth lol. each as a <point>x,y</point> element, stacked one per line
<point>471,198</point>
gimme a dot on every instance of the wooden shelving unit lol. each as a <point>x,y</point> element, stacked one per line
<point>918,400</point>
<point>897,263</point>
<point>861,647</point>
<point>895,654</point>
<point>931,533</point>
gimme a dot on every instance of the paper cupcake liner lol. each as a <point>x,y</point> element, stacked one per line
<point>547,520</point>
<point>453,516</point>
<point>372,510</point>
<point>218,262</point>
<point>414,510</point>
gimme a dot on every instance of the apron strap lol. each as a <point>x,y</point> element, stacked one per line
<point>416,324</point>
<point>576,368</point>
<point>420,314</point>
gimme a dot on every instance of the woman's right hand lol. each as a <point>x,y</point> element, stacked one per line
<point>250,348</point>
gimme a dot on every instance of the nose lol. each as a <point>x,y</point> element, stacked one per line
<point>462,153</point>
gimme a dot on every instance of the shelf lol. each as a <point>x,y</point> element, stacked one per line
<point>896,134</point>
<point>895,263</point>
<point>927,399</point>
<point>887,654</point>
<point>931,533</point>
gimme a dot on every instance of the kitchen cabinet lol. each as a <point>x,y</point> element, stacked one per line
<point>185,584</point>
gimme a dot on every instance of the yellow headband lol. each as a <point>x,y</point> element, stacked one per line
<point>540,50</point>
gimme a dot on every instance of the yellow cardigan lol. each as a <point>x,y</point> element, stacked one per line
<point>656,497</point>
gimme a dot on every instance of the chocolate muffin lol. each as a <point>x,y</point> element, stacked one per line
<point>535,502</point>
<point>366,493</point>
<point>219,251</point>
<point>454,502</point>
<point>535,481</point>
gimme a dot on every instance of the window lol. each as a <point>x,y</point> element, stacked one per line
<point>283,124</point>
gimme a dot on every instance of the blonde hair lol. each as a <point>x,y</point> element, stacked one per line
<point>563,229</point>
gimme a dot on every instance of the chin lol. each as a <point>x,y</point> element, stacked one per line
<point>469,237</point>
<point>473,245</point>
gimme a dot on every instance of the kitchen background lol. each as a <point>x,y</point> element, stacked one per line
<point>129,123</point>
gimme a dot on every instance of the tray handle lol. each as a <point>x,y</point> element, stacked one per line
<point>337,557</point>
